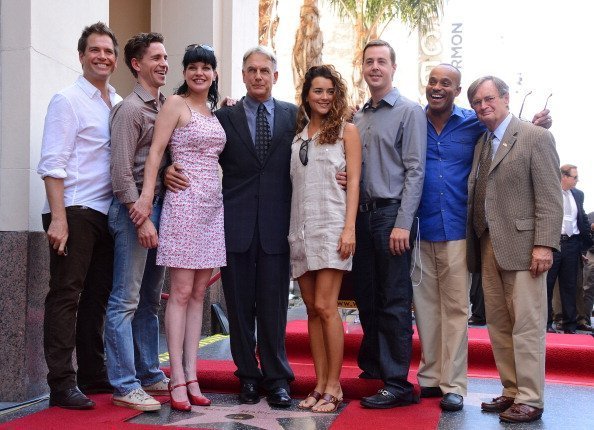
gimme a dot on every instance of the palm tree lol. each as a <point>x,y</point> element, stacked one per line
<point>267,25</point>
<point>307,50</point>
<point>371,17</point>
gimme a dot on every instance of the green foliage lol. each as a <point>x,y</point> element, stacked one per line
<point>377,14</point>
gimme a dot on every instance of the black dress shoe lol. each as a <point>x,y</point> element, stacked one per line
<point>452,402</point>
<point>476,321</point>
<point>96,387</point>
<point>385,400</point>
<point>585,327</point>
<point>427,392</point>
<point>279,397</point>
<point>550,329</point>
<point>569,331</point>
<point>71,398</point>
<point>249,393</point>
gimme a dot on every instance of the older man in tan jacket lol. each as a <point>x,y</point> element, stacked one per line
<point>514,218</point>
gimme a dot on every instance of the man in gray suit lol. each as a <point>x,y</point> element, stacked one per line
<point>514,218</point>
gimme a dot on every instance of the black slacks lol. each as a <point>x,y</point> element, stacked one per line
<point>565,267</point>
<point>383,292</point>
<point>80,283</point>
<point>256,288</point>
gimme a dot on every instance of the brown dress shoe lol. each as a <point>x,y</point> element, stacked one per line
<point>521,413</point>
<point>498,404</point>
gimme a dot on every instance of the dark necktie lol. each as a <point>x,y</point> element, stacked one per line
<point>479,219</point>
<point>262,133</point>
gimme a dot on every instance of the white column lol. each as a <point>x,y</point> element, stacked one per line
<point>229,26</point>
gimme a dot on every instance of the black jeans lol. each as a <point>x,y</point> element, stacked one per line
<point>383,291</point>
<point>565,267</point>
<point>80,283</point>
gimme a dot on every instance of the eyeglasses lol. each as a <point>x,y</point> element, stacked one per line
<point>573,177</point>
<point>303,151</point>
<point>196,45</point>
<point>478,103</point>
<point>524,101</point>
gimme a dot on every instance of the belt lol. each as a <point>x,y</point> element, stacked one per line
<point>565,237</point>
<point>157,200</point>
<point>377,203</point>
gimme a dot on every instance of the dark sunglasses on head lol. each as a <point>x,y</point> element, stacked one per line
<point>303,151</point>
<point>196,45</point>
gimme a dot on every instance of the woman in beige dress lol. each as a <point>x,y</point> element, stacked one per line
<point>322,232</point>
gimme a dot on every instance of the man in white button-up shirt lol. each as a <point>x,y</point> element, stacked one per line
<point>74,165</point>
<point>575,240</point>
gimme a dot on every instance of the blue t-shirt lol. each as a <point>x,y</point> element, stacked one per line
<point>442,212</point>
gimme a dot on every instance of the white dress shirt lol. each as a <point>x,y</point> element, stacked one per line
<point>569,225</point>
<point>76,145</point>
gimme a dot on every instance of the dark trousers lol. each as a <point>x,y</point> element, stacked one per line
<point>477,299</point>
<point>383,291</point>
<point>80,283</point>
<point>256,287</point>
<point>565,267</point>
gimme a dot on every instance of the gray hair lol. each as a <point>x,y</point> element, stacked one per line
<point>501,86</point>
<point>260,50</point>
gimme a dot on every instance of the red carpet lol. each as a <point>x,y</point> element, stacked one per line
<point>570,360</point>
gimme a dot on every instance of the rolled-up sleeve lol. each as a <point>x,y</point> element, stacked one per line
<point>59,137</point>
<point>414,148</point>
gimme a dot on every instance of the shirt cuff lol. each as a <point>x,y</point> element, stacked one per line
<point>55,173</point>
<point>127,196</point>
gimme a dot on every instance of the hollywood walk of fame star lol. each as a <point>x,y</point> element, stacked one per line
<point>260,415</point>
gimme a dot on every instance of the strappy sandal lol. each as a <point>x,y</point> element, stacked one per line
<point>314,395</point>
<point>329,399</point>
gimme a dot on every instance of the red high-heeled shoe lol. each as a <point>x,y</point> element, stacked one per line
<point>178,406</point>
<point>197,400</point>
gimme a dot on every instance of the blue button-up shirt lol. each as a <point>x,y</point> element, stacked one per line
<point>442,212</point>
<point>251,111</point>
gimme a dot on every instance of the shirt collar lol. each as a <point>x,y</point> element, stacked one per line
<point>456,111</point>
<point>90,89</point>
<point>390,98</point>
<point>252,104</point>
<point>145,96</point>
<point>500,130</point>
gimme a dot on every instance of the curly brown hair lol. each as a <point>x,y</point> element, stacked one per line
<point>332,124</point>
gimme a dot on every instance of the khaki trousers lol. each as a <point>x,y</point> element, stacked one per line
<point>516,308</point>
<point>441,285</point>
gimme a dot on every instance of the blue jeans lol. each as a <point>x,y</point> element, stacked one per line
<point>383,292</point>
<point>132,326</point>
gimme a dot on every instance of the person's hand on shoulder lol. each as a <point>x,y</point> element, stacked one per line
<point>543,119</point>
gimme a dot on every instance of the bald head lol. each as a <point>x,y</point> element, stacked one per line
<point>442,89</point>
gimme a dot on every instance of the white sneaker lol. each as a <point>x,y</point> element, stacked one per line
<point>160,388</point>
<point>137,399</point>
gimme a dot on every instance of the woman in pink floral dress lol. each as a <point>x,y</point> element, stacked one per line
<point>191,237</point>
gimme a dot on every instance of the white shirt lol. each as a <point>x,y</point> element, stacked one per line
<point>498,135</point>
<point>76,145</point>
<point>569,218</point>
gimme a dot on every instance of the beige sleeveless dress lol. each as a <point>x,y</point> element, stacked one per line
<point>318,206</point>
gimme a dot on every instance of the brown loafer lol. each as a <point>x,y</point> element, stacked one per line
<point>521,413</point>
<point>498,404</point>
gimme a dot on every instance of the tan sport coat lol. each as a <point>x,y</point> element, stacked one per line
<point>524,203</point>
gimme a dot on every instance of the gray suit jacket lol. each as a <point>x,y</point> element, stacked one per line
<point>524,205</point>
